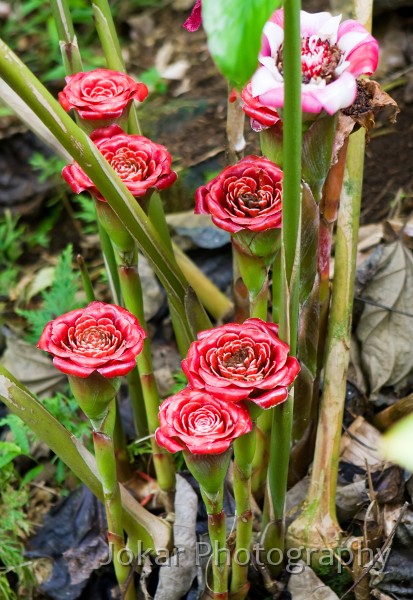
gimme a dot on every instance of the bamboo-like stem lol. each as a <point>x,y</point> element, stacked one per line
<point>106,463</point>
<point>273,516</point>
<point>70,51</point>
<point>217,535</point>
<point>244,450</point>
<point>319,522</point>
<point>261,455</point>
<point>163,462</point>
<point>87,283</point>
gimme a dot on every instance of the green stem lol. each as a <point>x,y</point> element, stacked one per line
<point>87,283</point>
<point>218,536</point>
<point>244,449</point>
<point>192,317</point>
<point>261,456</point>
<point>163,462</point>
<point>319,523</point>
<point>110,264</point>
<point>106,463</point>
<point>137,403</point>
<point>111,48</point>
<point>68,42</point>
<point>273,517</point>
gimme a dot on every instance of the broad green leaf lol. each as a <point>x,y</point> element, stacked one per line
<point>234,29</point>
<point>397,443</point>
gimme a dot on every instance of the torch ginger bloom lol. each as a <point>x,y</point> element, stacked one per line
<point>202,424</point>
<point>236,362</point>
<point>101,94</point>
<point>101,338</point>
<point>245,196</point>
<point>333,55</point>
<point>142,164</point>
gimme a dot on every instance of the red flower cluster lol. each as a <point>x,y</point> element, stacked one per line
<point>244,196</point>
<point>225,367</point>
<point>101,94</point>
<point>142,164</point>
<point>101,337</point>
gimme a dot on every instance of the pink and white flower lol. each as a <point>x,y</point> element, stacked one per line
<point>333,55</point>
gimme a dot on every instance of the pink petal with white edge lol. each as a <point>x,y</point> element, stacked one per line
<point>364,59</point>
<point>349,41</point>
<point>269,63</point>
<point>339,94</point>
<point>275,36</point>
<point>274,97</point>
<point>329,29</point>
<point>312,23</point>
<point>278,18</point>
<point>262,82</point>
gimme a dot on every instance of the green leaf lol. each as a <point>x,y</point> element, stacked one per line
<point>8,451</point>
<point>234,30</point>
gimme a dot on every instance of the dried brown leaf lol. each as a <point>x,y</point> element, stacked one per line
<point>385,329</point>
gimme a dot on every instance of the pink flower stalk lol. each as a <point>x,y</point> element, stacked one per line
<point>101,94</point>
<point>142,164</point>
<point>102,338</point>
<point>245,196</point>
<point>200,423</point>
<point>194,21</point>
<point>236,362</point>
<point>333,55</point>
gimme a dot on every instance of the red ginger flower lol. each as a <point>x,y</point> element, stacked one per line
<point>101,94</point>
<point>200,423</point>
<point>142,164</point>
<point>244,196</point>
<point>101,337</point>
<point>261,116</point>
<point>245,361</point>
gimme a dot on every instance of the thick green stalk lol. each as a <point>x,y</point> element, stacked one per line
<point>244,449</point>
<point>218,536</point>
<point>191,315</point>
<point>68,41</point>
<point>87,283</point>
<point>318,525</point>
<point>163,462</point>
<point>261,456</point>
<point>106,463</point>
<point>273,517</point>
